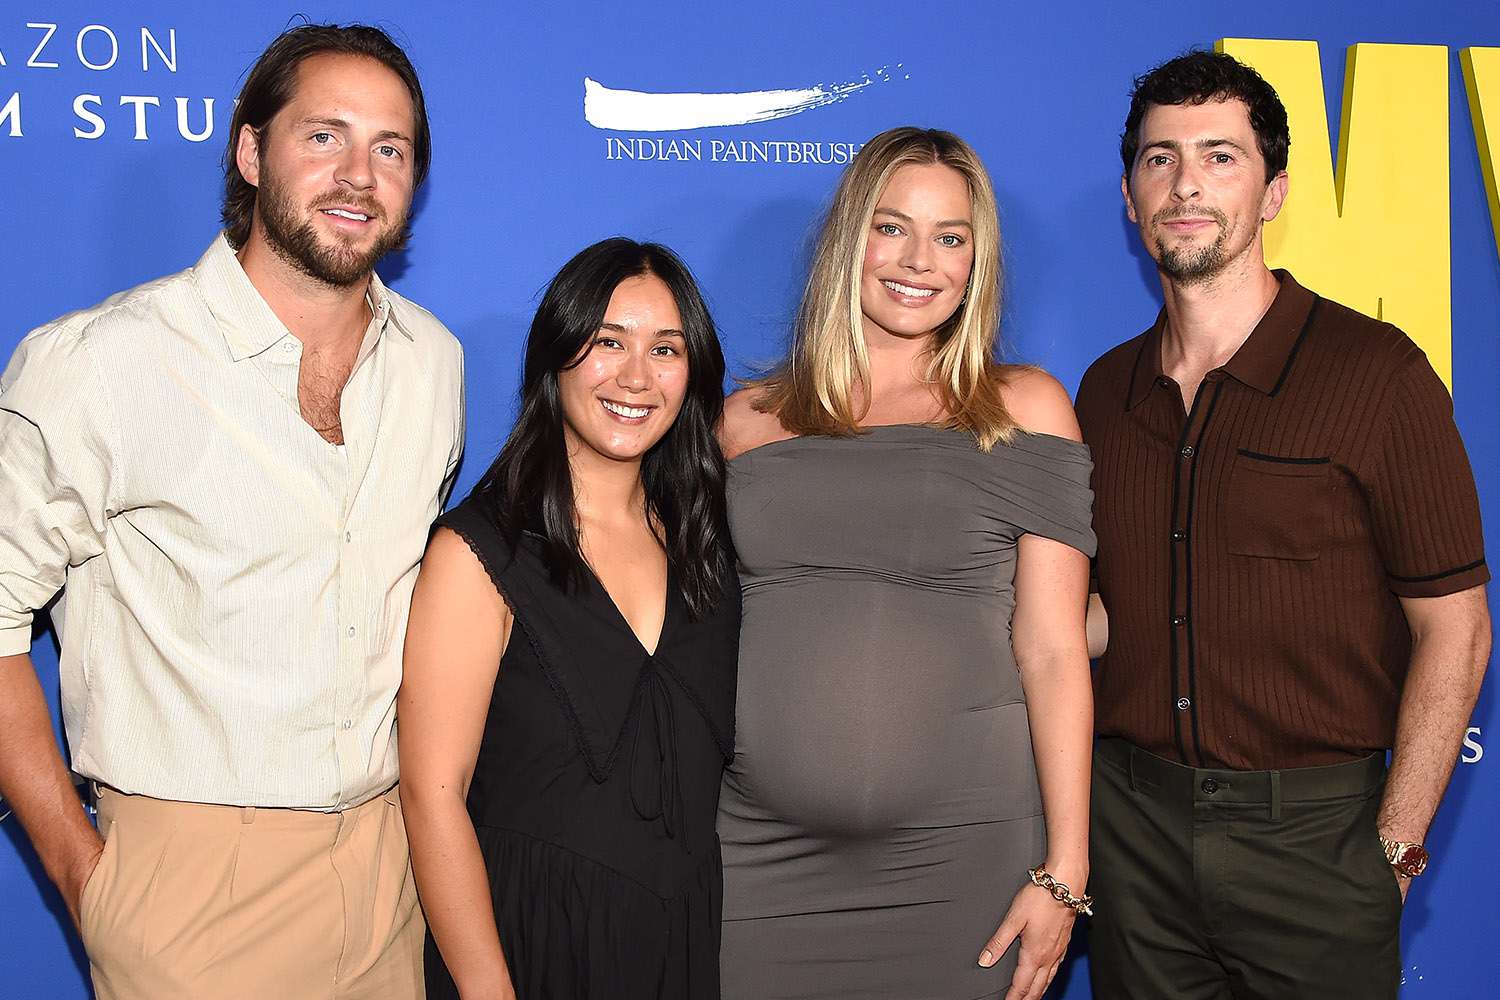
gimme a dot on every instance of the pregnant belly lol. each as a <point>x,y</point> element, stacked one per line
<point>865,707</point>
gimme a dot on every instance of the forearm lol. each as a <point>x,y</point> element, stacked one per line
<point>1442,685</point>
<point>455,889</point>
<point>1060,708</point>
<point>35,781</point>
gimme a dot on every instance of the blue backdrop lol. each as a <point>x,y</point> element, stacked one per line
<point>521,180</point>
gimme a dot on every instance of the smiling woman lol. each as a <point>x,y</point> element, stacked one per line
<point>627,387</point>
<point>865,281</point>
<point>912,524</point>
<point>560,784</point>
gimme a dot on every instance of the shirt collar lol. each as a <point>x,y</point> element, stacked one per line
<point>388,307</point>
<point>1263,360</point>
<point>246,320</point>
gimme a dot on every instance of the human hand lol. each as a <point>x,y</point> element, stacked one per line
<point>74,875</point>
<point>1403,883</point>
<point>1043,926</point>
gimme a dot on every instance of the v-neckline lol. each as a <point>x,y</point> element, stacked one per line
<point>666,609</point>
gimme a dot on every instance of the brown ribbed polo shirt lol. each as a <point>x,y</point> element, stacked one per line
<point>1252,551</point>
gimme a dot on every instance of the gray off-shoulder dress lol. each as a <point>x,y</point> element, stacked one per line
<point>882,805</point>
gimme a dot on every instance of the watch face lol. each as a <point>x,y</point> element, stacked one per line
<point>1411,859</point>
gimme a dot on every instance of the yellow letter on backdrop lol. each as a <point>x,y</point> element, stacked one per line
<point>1482,80</point>
<point>1376,238</point>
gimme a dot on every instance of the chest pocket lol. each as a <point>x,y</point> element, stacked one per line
<point>1279,507</point>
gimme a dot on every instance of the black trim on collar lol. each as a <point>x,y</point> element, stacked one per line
<point>1297,344</point>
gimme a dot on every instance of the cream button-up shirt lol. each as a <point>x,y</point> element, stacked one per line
<point>235,588</point>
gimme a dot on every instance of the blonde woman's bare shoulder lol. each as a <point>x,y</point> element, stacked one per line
<point>745,428</point>
<point>1038,402</point>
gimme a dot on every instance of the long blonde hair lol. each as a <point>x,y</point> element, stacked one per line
<point>811,390</point>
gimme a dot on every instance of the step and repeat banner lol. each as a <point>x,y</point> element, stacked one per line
<point>549,133</point>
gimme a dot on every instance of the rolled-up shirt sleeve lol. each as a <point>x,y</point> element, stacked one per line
<point>58,457</point>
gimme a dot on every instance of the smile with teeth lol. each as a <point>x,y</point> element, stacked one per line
<point>346,214</point>
<point>908,290</point>
<point>621,410</point>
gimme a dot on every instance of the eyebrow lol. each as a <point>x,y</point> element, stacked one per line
<point>663,332</point>
<point>1176,146</point>
<point>942,223</point>
<point>341,123</point>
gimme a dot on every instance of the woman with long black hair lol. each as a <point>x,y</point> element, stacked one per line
<point>568,700</point>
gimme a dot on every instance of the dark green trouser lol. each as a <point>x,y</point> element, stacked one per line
<point>1239,885</point>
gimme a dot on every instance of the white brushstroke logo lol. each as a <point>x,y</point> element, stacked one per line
<point>641,111</point>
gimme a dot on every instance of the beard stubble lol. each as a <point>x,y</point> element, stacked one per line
<point>295,240</point>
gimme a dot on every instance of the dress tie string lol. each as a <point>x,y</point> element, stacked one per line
<point>653,709</point>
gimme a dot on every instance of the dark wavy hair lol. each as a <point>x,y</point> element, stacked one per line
<point>1198,77</point>
<point>273,82</point>
<point>530,484</point>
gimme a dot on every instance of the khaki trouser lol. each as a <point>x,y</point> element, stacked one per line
<point>203,902</point>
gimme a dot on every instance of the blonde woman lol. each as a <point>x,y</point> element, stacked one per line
<point>914,711</point>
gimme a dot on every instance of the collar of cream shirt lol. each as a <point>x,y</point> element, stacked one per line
<point>248,323</point>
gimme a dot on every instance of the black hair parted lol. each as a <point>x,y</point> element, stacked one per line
<point>1197,77</point>
<point>271,85</point>
<point>530,487</point>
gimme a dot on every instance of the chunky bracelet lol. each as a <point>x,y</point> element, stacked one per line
<point>1042,879</point>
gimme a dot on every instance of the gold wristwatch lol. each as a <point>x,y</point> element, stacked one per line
<point>1409,860</point>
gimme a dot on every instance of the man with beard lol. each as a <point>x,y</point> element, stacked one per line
<point>233,470</point>
<point>1291,559</point>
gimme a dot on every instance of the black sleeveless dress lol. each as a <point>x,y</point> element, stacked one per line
<point>596,786</point>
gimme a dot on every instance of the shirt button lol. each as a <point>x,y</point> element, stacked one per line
<point>1177,622</point>
<point>1178,536</point>
<point>348,724</point>
<point>348,536</point>
<point>1187,451</point>
<point>1183,704</point>
<point>289,347</point>
<point>1209,786</point>
<point>351,631</point>
<point>1164,382</point>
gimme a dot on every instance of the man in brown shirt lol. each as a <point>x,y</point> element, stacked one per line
<point>1291,560</point>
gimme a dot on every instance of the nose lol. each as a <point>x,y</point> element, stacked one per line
<point>635,372</point>
<point>916,255</point>
<point>1186,182</point>
<point>356,168</point>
